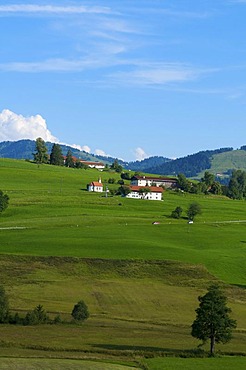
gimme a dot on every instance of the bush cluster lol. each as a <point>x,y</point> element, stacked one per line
<point>38,315</point>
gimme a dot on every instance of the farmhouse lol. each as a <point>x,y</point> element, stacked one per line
<point>145,192</point>
<point>166,182</point>
<point>98,165</point>
<point>96,186</point>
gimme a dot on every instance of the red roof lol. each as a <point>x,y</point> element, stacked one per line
<point>153,189</point>
<point>95,183</point>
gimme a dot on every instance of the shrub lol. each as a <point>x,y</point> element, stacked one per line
<point>80,311</point>
<point>177,212</point>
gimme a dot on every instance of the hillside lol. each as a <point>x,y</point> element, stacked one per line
<point>24,149</point>
<point>60,243</point>
<point>190,165</point>
<point>219,161</point>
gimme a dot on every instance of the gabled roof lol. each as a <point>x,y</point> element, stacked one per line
<point>153,189</point>
<point>96,183</point>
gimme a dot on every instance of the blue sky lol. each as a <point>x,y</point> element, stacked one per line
<point>130,79</point>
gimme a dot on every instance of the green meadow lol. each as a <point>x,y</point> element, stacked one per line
<point>60,243</point>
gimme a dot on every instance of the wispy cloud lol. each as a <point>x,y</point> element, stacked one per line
<point>151,74</point>
<point>50,65</point>
<point>112,42</point>
<point>182,14</point>
<point>128,72</point>
<point>51,9</point>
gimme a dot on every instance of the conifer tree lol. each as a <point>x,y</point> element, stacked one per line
<point>56,156</point>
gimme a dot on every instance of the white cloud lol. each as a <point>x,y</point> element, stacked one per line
<point>51,9</point>
<point>140,154</point>
<point>101,152</point>
<point>84,148</point>
<point>17,127</point>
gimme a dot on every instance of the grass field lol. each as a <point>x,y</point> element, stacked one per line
<point>198,364</point>
<point>141,281</point>
<point>54,364</point>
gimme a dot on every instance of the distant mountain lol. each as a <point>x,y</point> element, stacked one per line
<point>191,165</point>
<point>24,149</point>
<point>147,163</point>
<point>220,162</point>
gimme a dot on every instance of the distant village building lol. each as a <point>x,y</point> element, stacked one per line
<point>151,193</point>
<point>166,182</point>
<point>98,165</point>
<point>95,186</point>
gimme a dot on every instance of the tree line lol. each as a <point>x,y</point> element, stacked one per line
<point>56,157</point>
<point>236,188</point>
<point>38,315</point>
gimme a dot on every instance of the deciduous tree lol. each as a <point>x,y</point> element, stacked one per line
<point>212,320</point>
<point>124,190</point>
<point>208,178</point>
<point>69,162</point>
<point>116,166</point>
<point>193,210</point>
<point>176,213</point>
<point>183,182</point>
<point>237,185</point>
<point>41,154</point>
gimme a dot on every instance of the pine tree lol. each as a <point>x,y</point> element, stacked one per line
<point>212,321</point>
<point>56,156</point>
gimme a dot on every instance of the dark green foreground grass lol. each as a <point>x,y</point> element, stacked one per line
<point>197,364</point>
<point>153,364</point>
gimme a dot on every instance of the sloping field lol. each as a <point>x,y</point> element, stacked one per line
<point>60,244</point>
<point>51,214</point>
